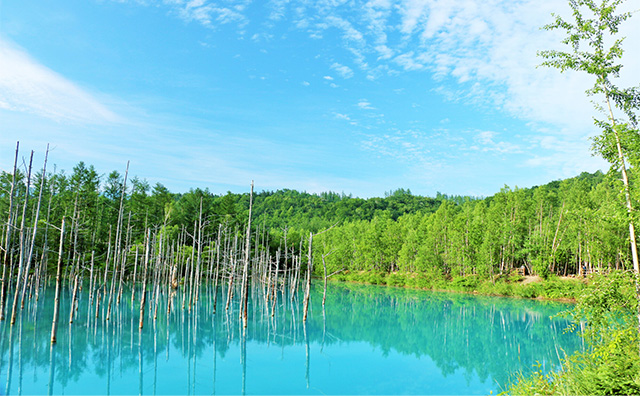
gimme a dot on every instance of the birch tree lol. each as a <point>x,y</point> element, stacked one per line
<point>593,26</point>
<point>596,49</point>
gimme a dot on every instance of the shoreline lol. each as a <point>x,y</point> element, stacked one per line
<point>557,289</point>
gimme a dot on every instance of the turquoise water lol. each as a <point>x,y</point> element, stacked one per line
<point>368,340</point>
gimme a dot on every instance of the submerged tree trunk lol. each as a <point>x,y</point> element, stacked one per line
<point>56,304</point>
<point>144,278</point>
<point>247,258</point>
<point>307,290</point>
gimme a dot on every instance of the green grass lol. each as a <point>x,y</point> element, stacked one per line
<point>510,286</point>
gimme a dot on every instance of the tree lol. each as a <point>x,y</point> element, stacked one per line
<point>594,25</point>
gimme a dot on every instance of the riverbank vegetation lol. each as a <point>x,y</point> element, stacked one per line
<point>512,285</point>
<point>610,364</point>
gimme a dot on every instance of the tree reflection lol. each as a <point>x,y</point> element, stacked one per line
<point>483,336</point>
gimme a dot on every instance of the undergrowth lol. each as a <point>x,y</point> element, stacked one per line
<point>505,285</point>
<point>610,365</point>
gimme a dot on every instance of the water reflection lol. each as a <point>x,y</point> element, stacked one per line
<point>367,340</point>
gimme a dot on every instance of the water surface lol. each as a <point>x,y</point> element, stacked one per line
<point>368,340</point>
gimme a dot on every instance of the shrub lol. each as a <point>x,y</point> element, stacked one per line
<point>611,363</point>
<point>396,279</point>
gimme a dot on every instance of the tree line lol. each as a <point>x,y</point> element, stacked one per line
<point>564,227</point>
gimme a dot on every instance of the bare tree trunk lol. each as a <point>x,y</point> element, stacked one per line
<point>35,229</point>
<point>22,237</point>
<point>275,284</point>
<point>56,304</point>
<point>144,278</point>
<point>247,258</point>
<point>73,298</point>
<point>124,259</point>
<point>45,247</point>
<point>324,264</point>
<point>7,242</point>
<point>135,268</point>
<point>307,291</point>
<point>215,278</point>
<point>116,250</point>
<point>91,284</point>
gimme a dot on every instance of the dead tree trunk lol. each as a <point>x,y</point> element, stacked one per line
<point>35,229</point>
<point>144,278</point>
<point>7,241</point>
<point>307,291</point>
<point>22,237</point>
<point>56,304</point>
<point>247,258</point>
<point>73,298</point>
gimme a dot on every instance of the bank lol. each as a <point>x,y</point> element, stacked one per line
<point>511,285</point>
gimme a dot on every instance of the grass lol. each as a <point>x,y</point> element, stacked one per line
<point>553,288</point>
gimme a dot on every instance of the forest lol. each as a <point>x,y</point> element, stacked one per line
<point>565,227</point>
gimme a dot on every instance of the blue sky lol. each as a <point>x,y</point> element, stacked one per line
<point>359,97</point>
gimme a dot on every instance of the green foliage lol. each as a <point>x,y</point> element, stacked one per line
<point>396,279</point>
<point>402,239</point>
<point>465,283</point>
<point>611,363</point>
<point>510,286</point>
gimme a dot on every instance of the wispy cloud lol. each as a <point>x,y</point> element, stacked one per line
<point>486,141</point>
<point>28,86</point>
<point>552,151</point>
<point>209,13</point>
<point>408,61</point>
<point>344,71</point>
<point>365,105</point>
<point>487,46</point>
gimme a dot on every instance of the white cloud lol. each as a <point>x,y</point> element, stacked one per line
<point>480,52</point>
<point>210,13</point>
<point>349,33</point>
<point>413,12</point>
<point>328,78</point>
<point>488,46</point>
<point>562,155</point>
<point>28,86</point>
<point>278,9</point>
<point>365,105</point>
<point>408,61</point>
<point>384,51</point>
<point>486,142</point>
<point>344,71</point>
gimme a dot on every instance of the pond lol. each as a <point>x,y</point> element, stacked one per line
<point>367,340</point>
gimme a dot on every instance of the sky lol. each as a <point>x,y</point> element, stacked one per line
<point>353,96</point>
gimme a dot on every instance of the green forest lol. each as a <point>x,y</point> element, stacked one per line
<point>563,228</point>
